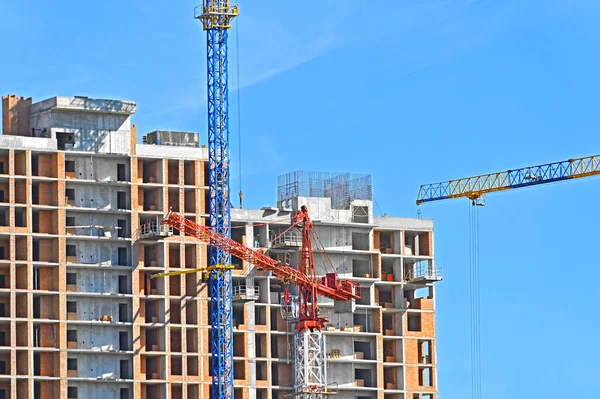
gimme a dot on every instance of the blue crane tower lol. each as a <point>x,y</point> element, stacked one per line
<point>216,16</point>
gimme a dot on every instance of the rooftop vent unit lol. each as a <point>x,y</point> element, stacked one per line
<point>171,138</point>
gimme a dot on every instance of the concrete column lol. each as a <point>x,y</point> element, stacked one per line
<point>251,353</point>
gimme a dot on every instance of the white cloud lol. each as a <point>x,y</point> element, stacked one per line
<point>266,49</point>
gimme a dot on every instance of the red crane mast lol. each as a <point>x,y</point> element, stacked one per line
<point>310,380</point>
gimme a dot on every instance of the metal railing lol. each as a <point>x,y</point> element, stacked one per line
<point>424,273</point>
<point>245,293</point>
<point>154,229</point>
<point>288,239</point>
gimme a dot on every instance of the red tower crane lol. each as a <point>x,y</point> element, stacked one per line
<point>309,357</point>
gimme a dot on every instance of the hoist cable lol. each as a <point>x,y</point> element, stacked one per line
<point>239,112</point>
<point>472,333</point>
<point>474,300</point>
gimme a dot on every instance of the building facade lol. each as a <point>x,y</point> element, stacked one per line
<point>80,237</point>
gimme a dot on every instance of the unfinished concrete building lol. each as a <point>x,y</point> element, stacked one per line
<point>385,349</point>
<point>80,235</point>
<point>80,206</point>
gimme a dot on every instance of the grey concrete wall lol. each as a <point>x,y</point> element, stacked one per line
<point>101,338</point>
<point>342,263</point>
<point>320,209</point>
<point>100,366</point>
<point>341,238</point>
<point>94,308</point>
<point>257,215</point>
<point>97,168</point>
<point>341,320</point>
<point>172,152</point>
<point>100,391</point>
<point>102,126</point>
<point>99,196</point>
<point>101,281</point>
<point>395,263</point>
<point>85,104</point>
<point>97,252</point>
<point>108,223</point>
<point>30,143</point>
<point>403,223</point>
<point>341,374</point>
<point>100,133</point>
<point>40,120</point>
<point>345,344</point>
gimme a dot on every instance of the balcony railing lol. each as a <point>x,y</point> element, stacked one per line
<point>288,239</point>
<point>424,273</point>
<point>154,230</point>
<point>245,293</point>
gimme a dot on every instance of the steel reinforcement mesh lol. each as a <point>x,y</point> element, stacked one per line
<point>342,188</point>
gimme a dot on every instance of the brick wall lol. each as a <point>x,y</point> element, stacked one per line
<point>425,244</point>
<point>48,278</point>
<point>133,140</point>
<point>173,172</point>
<point>424,303</point>
<point>21,248</point>
<point>15,115</point>
<point>377,320</point>
<point>411,351</point>
<point>49,307</point>
<point>376,259</point>
<point>139,177</point>
<point>285,374</point>
<point>21,162</point>
<point>427,325</point>
<point>22,309</point>
<point>412,380</point>
<point>47,366</point>
<point>48,251</point>
<point>47,165</point>
<point>48,193</point>
<point>48,222</point>
<point>48,335</point>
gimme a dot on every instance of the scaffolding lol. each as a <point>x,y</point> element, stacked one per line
<point>342,188</point>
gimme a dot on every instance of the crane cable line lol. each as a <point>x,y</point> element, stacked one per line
<point>474,300</point>
<point>239,113</point>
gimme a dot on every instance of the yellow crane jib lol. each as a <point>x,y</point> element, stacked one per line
<point>476,186</point>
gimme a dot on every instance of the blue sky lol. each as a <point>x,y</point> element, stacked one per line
<point>413,92</point>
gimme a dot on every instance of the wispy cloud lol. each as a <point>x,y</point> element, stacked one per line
<point>297,57</point>
<point>252,72</point>
<point>266,49</point>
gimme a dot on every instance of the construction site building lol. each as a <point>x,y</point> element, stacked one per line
<point>80,235</point>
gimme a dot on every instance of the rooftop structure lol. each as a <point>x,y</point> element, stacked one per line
<point>342,188</point>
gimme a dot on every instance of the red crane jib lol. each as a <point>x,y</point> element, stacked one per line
<point>329,286</point>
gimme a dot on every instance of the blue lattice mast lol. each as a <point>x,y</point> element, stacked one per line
<point>216,16</point>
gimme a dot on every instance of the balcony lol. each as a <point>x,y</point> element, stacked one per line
<point>155,230</point>
<point>290,239</point>
<point>424,274</point>
<point>245,293</point>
